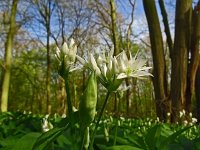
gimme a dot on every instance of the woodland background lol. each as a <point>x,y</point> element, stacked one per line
<point>166,34</point>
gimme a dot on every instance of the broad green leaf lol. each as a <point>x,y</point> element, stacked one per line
<point>63,140</point>
<point>172,137</point>
<point>48,137</point>
<point>8,142</point>
<point>152,137</point>
<point>26,142</point>
<point>136,140</point>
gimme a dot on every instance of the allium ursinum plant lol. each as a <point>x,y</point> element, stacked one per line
<point>66,64</point>
<point>66,57</point>
<point>112,70</point>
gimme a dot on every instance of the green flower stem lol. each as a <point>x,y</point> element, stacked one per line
<point>70,112</point>
<point>115,137</point>
<point>69,103</point>
<point>98,120</point>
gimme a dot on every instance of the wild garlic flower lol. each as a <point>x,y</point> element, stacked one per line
<point>66,57</point>
<point>113,69</point>
<point>46,125</point>
<point>194,120</point>
<point>132,67</point>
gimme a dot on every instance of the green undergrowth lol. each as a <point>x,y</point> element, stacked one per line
<point>25,131</point>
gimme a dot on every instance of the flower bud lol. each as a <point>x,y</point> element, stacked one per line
<point>87,107</point>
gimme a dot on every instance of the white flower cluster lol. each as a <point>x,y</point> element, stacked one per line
<point>187,119</point>
<point>46,125</point>
<point>66,55</point>
<point>110,69</point>
<point>113,69</point>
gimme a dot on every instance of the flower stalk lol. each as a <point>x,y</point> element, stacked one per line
<point>98,120</point>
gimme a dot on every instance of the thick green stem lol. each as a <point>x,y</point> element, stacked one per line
<point>69,103</point>
<point>98,120</point>
<point>115,137</point>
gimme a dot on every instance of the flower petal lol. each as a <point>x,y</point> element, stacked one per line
<point>65,49</point>
<point>94,65</point>
<point>122,76</point>
<point>81,60</point>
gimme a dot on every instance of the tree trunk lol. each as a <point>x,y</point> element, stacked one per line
<point>194,60</point>
<point>197,93</point>
<point>48,80</point>
<point>180,56</point>
<point>114,31</point>
<point>166,25</point>
<point>159,66</point>
<point>8,57</point>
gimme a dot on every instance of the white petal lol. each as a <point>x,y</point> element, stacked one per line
<point>115,65</point>
<point>100,60</point>
<point>65,49</point>
<point>145,68</point>
<point>105,70</point>
<point>74,69</point>
<point>110,65</point>
<point>94,65</point>
<point>81,60</point>
<point>124,56</point>
<point>122,76</point>
<point>57,53</point>
<point>122,65</point>
<point>71,44</point>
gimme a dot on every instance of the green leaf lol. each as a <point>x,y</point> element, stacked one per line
<point>26,142</point>
<point>152,136</point>
<point>8,142</point>
<point>87,105</point>
<point>172,137</point>
<point>48,137</point>
<point>123,147</point>
<point>62,141</point>
<point>136,140</point>
<point>196,142</point>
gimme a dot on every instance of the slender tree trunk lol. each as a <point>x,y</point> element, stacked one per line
<point>129,32</point>
<point>8,57</point>
<point>180,56</point>
<point>114,28</point>
<point>61,97</point>
<point>194,60</point>
<point>48,79</point>
<point>159,66</point>
<point>166,25</point>
<point>197,93</point>
<point>114,33</point>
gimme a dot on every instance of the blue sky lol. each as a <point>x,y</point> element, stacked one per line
<point>140,24</point>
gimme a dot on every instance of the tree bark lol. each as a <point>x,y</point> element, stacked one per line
<point>166,25</point>
<point>48,80</point>
<point>8,57</point>
<point>197,93</point>
<point>159,66</point>
<point>114,31</point>
<point>180,56</point>
<point>194,60</point>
